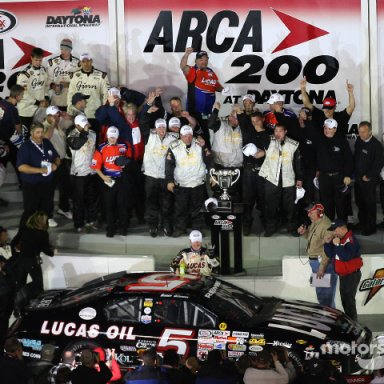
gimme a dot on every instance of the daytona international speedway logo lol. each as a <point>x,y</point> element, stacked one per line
<point>79,17</point>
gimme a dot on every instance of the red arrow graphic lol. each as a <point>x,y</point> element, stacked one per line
<point>299,31</point>
<point>27,49</point>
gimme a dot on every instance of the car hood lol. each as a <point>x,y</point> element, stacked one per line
<point>308,319</point>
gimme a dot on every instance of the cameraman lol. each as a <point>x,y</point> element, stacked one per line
<point>86,373</point>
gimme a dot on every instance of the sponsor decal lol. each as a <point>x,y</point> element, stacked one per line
<point>44,303</point>
<point>32,355</point>
<point>148,303</point>
<point>235,353</point>
<point>231,217</point>
<point>36,345</point>
<point>202,354</point>
<point>223,326</point>
<point>145,344</point>
<point>128,348</point>
<point>257,335</point>
<point>255,348</point>
<point>310,348</point>
<point>146,319</point>
<point>84,330</point>
<point>373,284</point>
<point>77,17</point>
<point>281,344</point>
<point>215,217</point>
<point>205,346</point>
<point>123,359</point>
<point>211,292</point>
<point>225,225</point>
<point>240,334</point>
<point>301,342</point>
<point>8,21</point>
<point>205,333</point>
<point>257,341</point>
<point>236,347</point>
<point>147,310</point>
<point>220,346</point>
<point>231,339</point>
<point>87,313</point>
<point>220,339</point>
<point>221,333</point>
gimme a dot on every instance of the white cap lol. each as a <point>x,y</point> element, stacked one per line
<point>300,192</point>
<point>275,98</point>
<point>85,56</point>
<point>112,132</point>
<point>316,182</point>
<point>81,120</point>
<point>114,92</point>
<point>211,200</point>
<point>160,123</point>
<point>330,123</point>
<point>173,122</point>
<point>52,110</point>
<point>186,130</point>
<point>196,236</point>
<point>250,149</point>
<point>249,97</point>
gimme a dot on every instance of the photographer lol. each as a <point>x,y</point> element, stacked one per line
<point>263,372</point>
<point>86,373</point>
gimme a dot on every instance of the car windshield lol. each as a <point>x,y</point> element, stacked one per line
<point>231,303</point>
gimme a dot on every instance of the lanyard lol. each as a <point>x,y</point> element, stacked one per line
<point>41,149</point>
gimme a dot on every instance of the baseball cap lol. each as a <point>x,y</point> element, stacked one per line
<point>336,224</point>
<point>85,56</point>
<point>330,123</point>
<point>78,97</point>
<point>81,120</point>
<point>249,97</point>
<point>250,149</point>
<point>160,123</point>
<point>201,54</point>
<point>66,44</point>
<point>329,103</point>
<point>275,98</point>
<point>196,236</point>
<point>114,92</point>
<point>52,110</point>
<point>113,132</point>
<point>186,130</point>
<point>174,121</point>
<point>314,207</point>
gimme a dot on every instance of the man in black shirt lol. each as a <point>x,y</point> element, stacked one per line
<point>334,169</point>
<point>368,164</point>
<point>253,184</point>
<point>329,108</point>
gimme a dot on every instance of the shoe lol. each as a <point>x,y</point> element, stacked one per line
<point>80,230</point>
<point>110,234</point>
<point>52,223</point>
<point>153,232</point>
<point>68,215</point>
<point>123,231</point>
<point>268,233</point>
<point>167,231</point>
<point>178,233</point>
<point>92,225</point>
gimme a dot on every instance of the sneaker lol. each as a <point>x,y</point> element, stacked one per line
<point>79,230</point>
<point>92,225</point>
<point>67,215</point>
<point>153,232</point>
<point>110,234</point>
<point>167,231</point>
<point>123,231</point>
<point>52,223</point>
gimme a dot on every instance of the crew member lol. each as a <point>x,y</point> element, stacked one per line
<point>334,169</point>
<point>34,80</point>
<point>343,249</point>
<point>108,161</point>
<point>329,108</point>
<point>79,103</point>
<point>177,111</point>
<point>282,171</point>
<point>368,163</point>
<point>60,69</point>
<point>198,260</point>
<point>315,235</point>
<point>185,172</point>
<point>158,198</point>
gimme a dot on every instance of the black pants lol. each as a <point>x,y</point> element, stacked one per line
<point>136,180</point>
<point>86,196</point>
<point>274,195</point>
<point>348,289</point>
<point>331,196</point>
<point>36,197</point>
<point>253,193</point>
<point>365,196</point>
<point>12,158</point>
<point>62,181</point>
<point>159,202</point>
<point>188,203</point>
<point>29,266</point>
<point>115,205</point>
<point>6,307</point>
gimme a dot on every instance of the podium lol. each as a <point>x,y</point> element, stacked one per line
<point>222,223</point>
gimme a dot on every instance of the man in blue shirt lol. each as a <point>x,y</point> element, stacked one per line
<point>37,159</point>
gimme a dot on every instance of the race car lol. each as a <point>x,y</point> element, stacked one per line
<point>130,312</point>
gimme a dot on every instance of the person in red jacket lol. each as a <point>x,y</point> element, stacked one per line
<point>343,249</point>
<point>108,161</point>
<point>108,356</point>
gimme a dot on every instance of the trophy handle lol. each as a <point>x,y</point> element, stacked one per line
<point>212,172</point>
<point>236,172</point>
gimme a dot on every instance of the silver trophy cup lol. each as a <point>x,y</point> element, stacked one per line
<point>225,178</point>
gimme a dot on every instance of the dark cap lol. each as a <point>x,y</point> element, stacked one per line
<point>201,54</point>
<point>78,97</point>
<point>336,224</point>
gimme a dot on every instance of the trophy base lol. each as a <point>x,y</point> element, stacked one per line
<point>224,205</point>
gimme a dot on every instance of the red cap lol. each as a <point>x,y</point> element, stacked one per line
<point>315,207</point>
<point>329,103</point>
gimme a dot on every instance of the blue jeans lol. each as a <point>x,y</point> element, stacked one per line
<point>325,296</point>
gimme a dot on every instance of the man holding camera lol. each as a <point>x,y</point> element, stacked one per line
<point>86,373</point>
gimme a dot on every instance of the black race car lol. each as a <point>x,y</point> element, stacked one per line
<point>193,315</point>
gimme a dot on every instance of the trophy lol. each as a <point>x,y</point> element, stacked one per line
<point>225,178</point>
